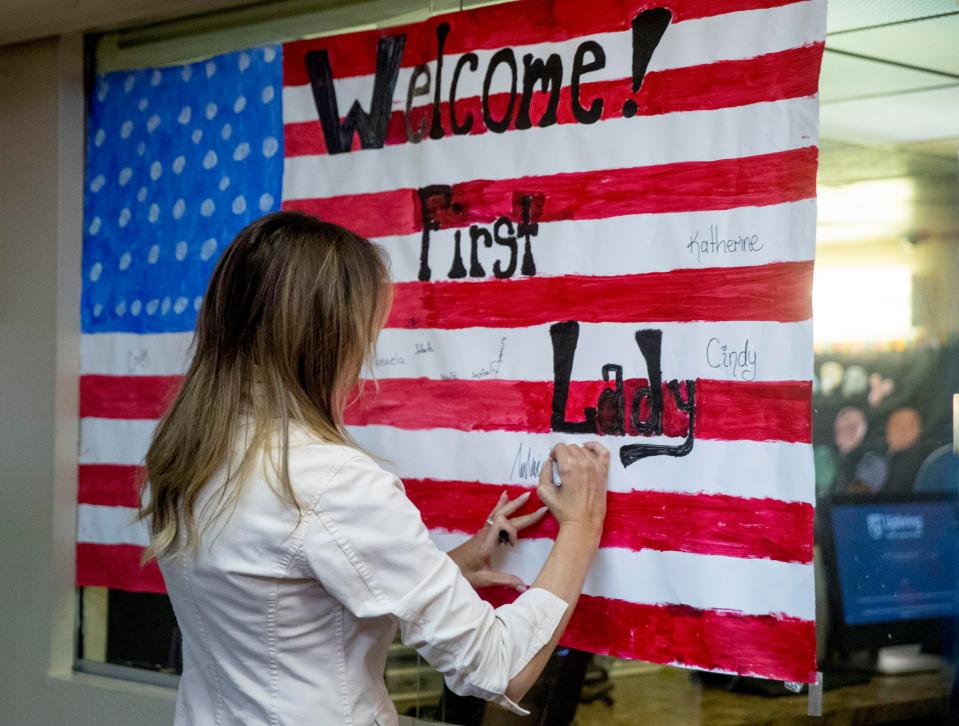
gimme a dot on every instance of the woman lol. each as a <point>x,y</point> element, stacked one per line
<point>290,556</point>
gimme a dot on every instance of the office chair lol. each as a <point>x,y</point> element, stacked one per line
<point>939,472</point>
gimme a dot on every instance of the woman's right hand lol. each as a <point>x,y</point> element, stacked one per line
<point>579,504</point>
<point>580,501</point>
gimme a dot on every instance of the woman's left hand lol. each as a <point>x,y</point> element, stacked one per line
<point>475,556</point>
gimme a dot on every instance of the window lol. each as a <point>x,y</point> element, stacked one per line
<point>855,304</point>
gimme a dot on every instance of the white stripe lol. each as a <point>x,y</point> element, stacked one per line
<point>624,142</point>
<point>752,586</point>
<point>783,352</point>
<point>690,350</point>
<point>771,469</point>
<point>98,524</point>
<point>114,441</point>
<point>628,245</point>
<point>128,354</point>
<point>731,36</point>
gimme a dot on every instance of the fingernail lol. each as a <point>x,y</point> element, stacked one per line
<point>541,509</point>
<point>525,495</point>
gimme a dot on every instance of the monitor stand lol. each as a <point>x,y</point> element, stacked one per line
<point>836,675</point>
<point>832,677</point>
<point>894,660</point>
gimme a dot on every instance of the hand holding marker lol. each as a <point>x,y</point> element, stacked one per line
<point>503,534</point>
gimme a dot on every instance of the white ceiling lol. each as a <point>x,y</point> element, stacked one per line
<point>849,77</point>
<point>889,97</point>
<point>891,71</point>
<point>901,117</point>
<point>843,15</point>
<point>928,43</point>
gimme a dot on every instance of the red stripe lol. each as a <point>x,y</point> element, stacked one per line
<point>712,524</point>
<point>117,566</point>
<point>759,411</point>
<point>761,180</point>
<point>725,410</point>
<point>132,397</point>
<point>664,521</point>
<point>376,214</point>
<point>792,73</point>
<point>112,485</point>
<point>126,397</point>
<point>510,24</point>
<point>775,292</point>
<point>706,524</point>
<point>787,74</point>
<point>770,646</point>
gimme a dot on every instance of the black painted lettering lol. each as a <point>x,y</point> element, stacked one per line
<point>564,337</point>
<point>592,114</point>
<point>508,241</point>
<point>650,344</point>
<point>369,126</point>
<point>527,229</point>
<point>549,75</point>
<point>651,424</point>
<point>646,410</point>
<point>648,29</point>
<point>472,60</point>
<point>457,270</point>
<point>416,135</point>
<point>632,453</point>
<point>436,130</point>
<point>478,233</point>
<point>611,405</point>
<point>433,200</point>
<point>500,57</point>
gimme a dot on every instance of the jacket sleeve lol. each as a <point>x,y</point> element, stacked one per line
<point>366,543</point>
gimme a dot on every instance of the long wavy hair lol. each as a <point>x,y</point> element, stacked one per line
<point>289,320</point>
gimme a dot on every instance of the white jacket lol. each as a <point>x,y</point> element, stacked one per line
<point>288,622</point>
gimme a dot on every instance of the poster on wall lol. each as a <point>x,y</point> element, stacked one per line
<point>600,220</point>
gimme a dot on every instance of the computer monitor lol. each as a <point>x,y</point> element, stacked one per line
<point>892,567</point>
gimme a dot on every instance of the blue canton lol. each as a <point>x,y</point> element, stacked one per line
<point>179,159</point>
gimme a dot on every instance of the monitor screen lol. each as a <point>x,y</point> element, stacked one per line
<point>896,561</point>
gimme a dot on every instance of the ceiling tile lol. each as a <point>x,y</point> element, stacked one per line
<point>844,15</point>
<point>945,148</point>
<point>924,208</point>
<point>844,77</point>
<point>932,44</point>
<point>841,163</point>
<point>906,117</point>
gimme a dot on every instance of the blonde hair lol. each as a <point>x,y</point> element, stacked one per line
<point>289,320</point>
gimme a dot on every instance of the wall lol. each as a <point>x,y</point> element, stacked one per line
<point>41,161</point>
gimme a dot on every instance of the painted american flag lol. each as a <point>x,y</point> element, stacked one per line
<point>600,218</point>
